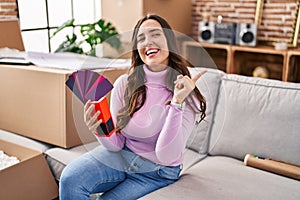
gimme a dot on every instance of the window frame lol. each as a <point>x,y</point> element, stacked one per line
<point>49,28</point>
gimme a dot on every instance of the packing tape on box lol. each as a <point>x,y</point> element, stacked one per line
<point>275,166</point>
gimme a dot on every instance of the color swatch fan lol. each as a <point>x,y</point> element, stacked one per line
<point>87,84</point>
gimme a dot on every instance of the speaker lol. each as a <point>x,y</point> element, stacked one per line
<point>246,34</point>
<point>225,33</point>
<point>206,32</point>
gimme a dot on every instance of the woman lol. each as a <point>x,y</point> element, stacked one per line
<point>154,107</point>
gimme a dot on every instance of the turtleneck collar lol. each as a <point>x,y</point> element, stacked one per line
<point>155,78</point>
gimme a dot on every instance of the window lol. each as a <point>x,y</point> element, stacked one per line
<point>40,18</point>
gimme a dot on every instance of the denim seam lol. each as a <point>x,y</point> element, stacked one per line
<point>107,181</point>
<point>133,162</point>
<point>159,173</point>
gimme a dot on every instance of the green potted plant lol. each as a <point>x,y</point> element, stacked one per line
<point>92,34</point>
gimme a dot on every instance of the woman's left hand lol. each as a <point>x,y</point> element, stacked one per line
<point>90,116</point>
<point>184,85</point>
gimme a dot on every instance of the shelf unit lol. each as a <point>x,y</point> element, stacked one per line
<point>281,64</point>
<point>245,59</point>
<point>293,61</point>
<point>208,55</point>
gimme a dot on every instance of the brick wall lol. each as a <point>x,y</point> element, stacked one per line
<point>278,19</point>
<point>8,9</point>
<point>277,23</point>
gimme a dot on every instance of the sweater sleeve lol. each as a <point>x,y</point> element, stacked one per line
<point>116,141</point>
<point>174,134</point>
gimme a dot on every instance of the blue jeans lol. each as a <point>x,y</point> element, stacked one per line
<point>117,175</point>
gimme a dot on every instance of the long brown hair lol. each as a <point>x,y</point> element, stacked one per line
<point>135,93</point>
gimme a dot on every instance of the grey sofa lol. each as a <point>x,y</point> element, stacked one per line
<point>244,115</point>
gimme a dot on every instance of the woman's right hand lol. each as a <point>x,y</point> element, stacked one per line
<point>91,116</point>
<point>184,85</point>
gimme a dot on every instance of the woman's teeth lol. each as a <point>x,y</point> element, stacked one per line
<point>152,51</point>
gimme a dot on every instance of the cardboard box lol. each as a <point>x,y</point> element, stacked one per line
<point>30,179</point>
<point>125,14</point>
<point>35,102</point>
<point>10,34</point>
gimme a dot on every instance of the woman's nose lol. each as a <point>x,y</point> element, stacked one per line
<point>148,41</point>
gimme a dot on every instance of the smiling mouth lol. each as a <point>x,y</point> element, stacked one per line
<point>151,52</point>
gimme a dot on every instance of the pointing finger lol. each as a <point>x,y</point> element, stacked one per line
<point>197,76</point>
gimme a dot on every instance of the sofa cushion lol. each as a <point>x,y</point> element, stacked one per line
<point>208,85</point>
<point>228,178</point>
<point>190,158</point>
<point>257,116</point>
<point>24,141</point>
<point>59,157</point>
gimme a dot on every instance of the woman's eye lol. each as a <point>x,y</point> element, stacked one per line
<point>156,35</point>
<point>141,39</point>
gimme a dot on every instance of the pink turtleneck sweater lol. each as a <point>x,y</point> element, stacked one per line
<point>157,131</point>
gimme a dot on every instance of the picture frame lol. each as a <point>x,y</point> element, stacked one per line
<point>258,12</point>
<point>294,42</point>
<point>290,37</point>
